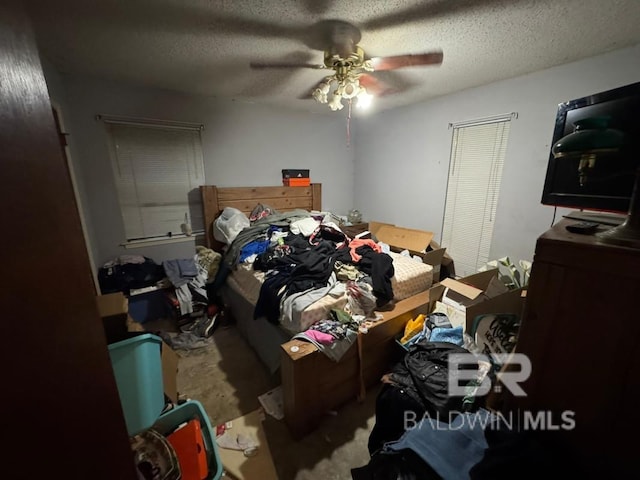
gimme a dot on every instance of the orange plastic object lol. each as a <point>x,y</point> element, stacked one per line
<point>189,446</point>
<point>296,182</point>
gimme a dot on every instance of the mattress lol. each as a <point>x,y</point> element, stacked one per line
<point>410,278</point>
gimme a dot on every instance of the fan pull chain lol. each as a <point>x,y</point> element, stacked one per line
<point>349,125</point>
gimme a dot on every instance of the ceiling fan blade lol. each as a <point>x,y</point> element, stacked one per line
<point>428,11</point>
<point>374,85</point>
<point>397,81</point>
<point>254,27</point>
<point>318,6</point>
<point>332,35</point>
<point>401,61</point>
<point>309,93</point>
<point>265,65</point>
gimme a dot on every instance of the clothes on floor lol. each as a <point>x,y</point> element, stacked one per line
<point>209,260</point>
<point>183,294</point>
<point>424,374</point>
<point>189,278</point>
<point>123,275</point>
<point>124,259</point>
<point>184,340</point>
<point>393,407</point>
<point>451,449</point>
<point>429,323</point>
<point>476,446</point>
<point>391,465</point>
<point>452,335</point>
<point>180,271</point>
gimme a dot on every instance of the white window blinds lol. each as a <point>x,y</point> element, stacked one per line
<point>475,170</point>
<point>157,172</point>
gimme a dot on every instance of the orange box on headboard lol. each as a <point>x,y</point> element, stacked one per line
<point>296,182</point>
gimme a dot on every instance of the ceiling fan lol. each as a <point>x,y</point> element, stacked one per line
<point>353,71</point>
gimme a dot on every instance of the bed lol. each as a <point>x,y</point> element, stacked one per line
<point>312,384</point>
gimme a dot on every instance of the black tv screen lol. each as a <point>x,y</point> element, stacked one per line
<point>609,184</point>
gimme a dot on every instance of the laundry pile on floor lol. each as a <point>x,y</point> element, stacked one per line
<point>182,284</point>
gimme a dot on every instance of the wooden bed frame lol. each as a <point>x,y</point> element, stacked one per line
<point>312,384</point>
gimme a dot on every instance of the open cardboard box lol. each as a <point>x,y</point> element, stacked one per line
<point>113,309</point>
<point>417,242</point>
<point>477,294</point>
<point>116,319</point>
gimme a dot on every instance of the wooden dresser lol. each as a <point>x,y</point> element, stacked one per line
<point>355,229</point>
<point>581,330</point>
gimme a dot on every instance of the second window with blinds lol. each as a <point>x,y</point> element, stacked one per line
<point>157,171</point>
<point>475,172</point>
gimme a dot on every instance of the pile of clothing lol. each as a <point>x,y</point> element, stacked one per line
<point>128,272</point>
<point>189,278</point>
<point>425,429</point>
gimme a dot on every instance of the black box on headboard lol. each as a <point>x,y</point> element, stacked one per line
<point>293,173</point>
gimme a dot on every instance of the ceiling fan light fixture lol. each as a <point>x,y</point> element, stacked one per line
<point>320,93</point>
<point>346,87</point>
<point>364,99</point>
<point>336,102</point>
<point>350,87</point>
<point>338,40</point>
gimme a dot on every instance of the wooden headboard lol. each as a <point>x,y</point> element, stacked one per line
<point>245,199</point>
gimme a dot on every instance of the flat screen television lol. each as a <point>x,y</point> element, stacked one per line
<point>609,185</point>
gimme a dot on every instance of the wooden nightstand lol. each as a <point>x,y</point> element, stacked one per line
<point>352,230</point>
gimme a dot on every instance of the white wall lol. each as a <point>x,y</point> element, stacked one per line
<point>402,156</point>
<point>243,145</point>
<point>57,93</point>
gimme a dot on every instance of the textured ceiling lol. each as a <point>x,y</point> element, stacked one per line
<point>205,46</point>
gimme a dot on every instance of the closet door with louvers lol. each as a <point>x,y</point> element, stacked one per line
<point>475,170</point>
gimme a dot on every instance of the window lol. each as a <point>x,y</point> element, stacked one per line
<point>157,170</point>
<point>475,171</point>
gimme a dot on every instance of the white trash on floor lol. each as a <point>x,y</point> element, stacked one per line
<point>272,403</point>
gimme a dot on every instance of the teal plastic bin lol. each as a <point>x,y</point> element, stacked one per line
<point>189,410</point>
<point>138,371</point>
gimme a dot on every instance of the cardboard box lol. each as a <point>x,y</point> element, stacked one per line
<point>295,173</point>
<point>113,308</point>
<point>169,359</point>
<point>417,242</point>
<point>296,182</point>
<point>477,294</point>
